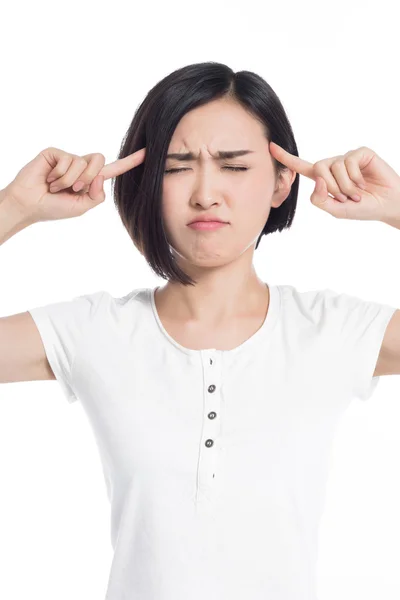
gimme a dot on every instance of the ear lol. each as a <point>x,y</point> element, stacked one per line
<point>283,187</point>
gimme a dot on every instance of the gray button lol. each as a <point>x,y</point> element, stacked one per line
<point>212,415</point>
<point>209,443</point>
<point>211,388</point>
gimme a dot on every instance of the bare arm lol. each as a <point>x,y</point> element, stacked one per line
<point>11,220</point>
<point>22,354</point>
<point>28,200</point>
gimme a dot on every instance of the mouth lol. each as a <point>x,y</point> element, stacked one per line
<point>207,225</point>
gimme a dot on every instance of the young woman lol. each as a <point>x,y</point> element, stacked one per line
<point>213,399</point>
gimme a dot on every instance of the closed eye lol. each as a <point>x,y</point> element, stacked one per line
<point>230,168</point>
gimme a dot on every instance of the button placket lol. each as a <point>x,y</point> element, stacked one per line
<point>210,442</point>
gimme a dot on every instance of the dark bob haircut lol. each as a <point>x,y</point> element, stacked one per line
<point>138,192</point>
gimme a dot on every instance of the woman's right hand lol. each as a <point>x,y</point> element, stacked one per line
<point>30,190</point>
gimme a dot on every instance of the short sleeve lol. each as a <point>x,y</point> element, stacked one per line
<point>359,327</point>
<point>62,327</point>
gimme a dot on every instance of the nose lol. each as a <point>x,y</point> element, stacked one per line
<point>205,192</point>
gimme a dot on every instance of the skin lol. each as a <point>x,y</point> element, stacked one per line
<point>228,288</point>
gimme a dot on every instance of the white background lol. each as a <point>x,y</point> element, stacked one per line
<point>72,76</point>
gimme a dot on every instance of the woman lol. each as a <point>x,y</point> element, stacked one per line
<point>213,399</point>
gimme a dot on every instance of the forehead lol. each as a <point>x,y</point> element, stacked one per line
<point>218,125</point>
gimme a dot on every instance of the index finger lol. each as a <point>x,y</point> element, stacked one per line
<point>294,163</point>
<point>123,165</point>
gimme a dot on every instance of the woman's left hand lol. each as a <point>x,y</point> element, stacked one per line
<point>347,174</point>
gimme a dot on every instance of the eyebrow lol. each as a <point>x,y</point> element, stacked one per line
<point>221,154</point>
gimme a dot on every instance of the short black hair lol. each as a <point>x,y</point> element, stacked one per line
<point>138,192</point>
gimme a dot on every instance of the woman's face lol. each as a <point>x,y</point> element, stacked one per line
<point>206,186</point>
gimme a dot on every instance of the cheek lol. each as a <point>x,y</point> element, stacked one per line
<point>167,196</point>
<point>173,195</point>
<point>262,202</point>
<point>255,200</point>
<point>262,194</point>
<point>170,208</point>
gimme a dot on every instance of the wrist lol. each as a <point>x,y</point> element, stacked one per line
<point>393,222</point>
<point>12,220</point>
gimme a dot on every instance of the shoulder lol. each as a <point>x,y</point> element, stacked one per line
<point>90,307</point>
<point>340,312</point>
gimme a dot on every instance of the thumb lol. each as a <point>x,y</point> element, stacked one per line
<point>320,193</point>
<point>96,191</point>
<point>321,199</point>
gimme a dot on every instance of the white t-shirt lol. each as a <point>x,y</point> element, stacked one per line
<point>215,462</point>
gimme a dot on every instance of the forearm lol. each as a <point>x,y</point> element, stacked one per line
<point>11,221</point>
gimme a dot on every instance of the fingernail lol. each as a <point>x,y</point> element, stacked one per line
<point>50,179</point>
<point>54,188</point>
<point>356,197</point>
